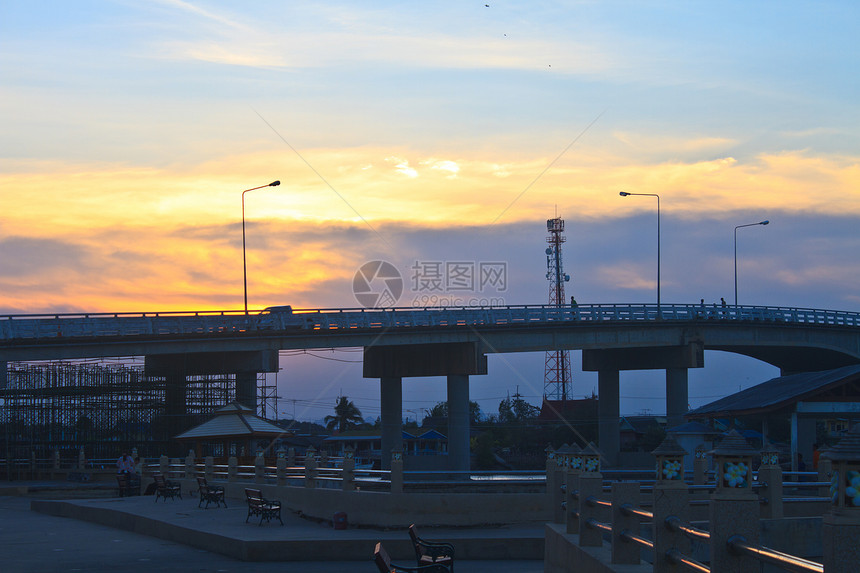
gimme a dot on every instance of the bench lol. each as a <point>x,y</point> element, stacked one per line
<point>210,493</point>
<point>431,552</point>
<point>384,564</point>
<point>126,486</point>
<point>165,489</point>
<point>258,505</point>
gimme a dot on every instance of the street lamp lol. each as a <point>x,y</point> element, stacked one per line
<point>625,194</point>
<point>244,263</point>
<point>736,252</point>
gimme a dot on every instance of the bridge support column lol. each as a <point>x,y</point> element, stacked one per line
<point>246,389</point>
<point>458,423</point>
<point>391,400</point>
<point>676,396</point>
<point>609,414</point>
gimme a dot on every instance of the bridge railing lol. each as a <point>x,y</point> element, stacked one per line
<point>36,326</point>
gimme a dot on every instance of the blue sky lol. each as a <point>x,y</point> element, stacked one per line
<point>452,130</point>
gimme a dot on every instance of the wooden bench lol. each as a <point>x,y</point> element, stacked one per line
<point>165,489</point>
<point>258,505</point>
<point>384,564</point>
<point>431,552</point>
<point>210,493</point>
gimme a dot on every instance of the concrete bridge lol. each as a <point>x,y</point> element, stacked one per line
<point>452,342</point>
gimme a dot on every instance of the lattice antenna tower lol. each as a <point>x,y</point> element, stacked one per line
<point>557,377</point>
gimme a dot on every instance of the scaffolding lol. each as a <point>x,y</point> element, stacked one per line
<point>105,407</point>
<point>557,378</point>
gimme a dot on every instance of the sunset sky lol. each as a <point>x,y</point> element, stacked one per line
<point>429,132</point>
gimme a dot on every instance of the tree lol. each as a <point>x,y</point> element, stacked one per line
<point>516,410</point>
<point>346,416</point>
<point>440,411</point>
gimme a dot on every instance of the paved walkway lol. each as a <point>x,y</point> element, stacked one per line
<point>138,535</point>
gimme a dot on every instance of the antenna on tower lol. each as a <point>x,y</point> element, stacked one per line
<point>557,377</point>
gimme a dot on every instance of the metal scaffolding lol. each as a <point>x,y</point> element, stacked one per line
<point>104,407</point>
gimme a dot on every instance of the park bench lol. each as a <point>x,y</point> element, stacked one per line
<point>165,489</point>
<point>210,493</point>
<point>431,552</point>
<point>258,505</point>
<point>126,486</point>
<point>384,564</point>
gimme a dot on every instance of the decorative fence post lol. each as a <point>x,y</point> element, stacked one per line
<point>671,499</point>
<point>209,468</point>
<point>291,457</point>
<point>840,527</point>
<point>700,465</point>
<point>259,467</point>
<point>397,471</point>
<point>82,459</point>
<point>825,472</point>
<point>770,476</point>
<point>624,552</point>
<point>734,509</point>
<point>190,469</point>
<point>571,460</point>
<point>232,468</point>
<point>590,485</point>
<point>282,467</point>
<point>553,487</point>
<point>348,469</point>
<point>56,464</point>
<point>310,467</point>
<point>33,464</point>
<point>164,465</point>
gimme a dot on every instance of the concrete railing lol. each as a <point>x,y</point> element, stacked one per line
<point>730,542</point>
<point>45,326</point>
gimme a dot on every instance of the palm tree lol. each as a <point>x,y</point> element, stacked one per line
<point>346,416</point>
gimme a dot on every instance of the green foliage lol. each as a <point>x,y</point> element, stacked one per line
<point>346,416</point>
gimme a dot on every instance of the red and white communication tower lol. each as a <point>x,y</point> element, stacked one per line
<point>557,378</point>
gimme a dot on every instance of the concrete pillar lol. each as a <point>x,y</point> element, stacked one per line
<point>609,415</point>
<point>624,552</point>
<point>571,503</point>
<point>282,470</point>
<point>771,475</point>
<point>670,499</point>
<point>348,471</point>
<point>190,469</point>
<point>164,465</point>
<point>291,457</point>
<point>590,484</point>
<point>676,396</point>
<point>397,471</point>
<point>310,468</point>
<point>259,468</point>
<point>733,513</point>
<point>391,401</point>
<point>232,468</point>
<point>246,389</point>
<point>700,465</point>
<point>802,439</point>
<point>209,468</point>
<point>458,423</point>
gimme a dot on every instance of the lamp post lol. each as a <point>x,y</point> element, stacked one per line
<point>736,252</point>
<point>244,262</point>
<point>625,194</point>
